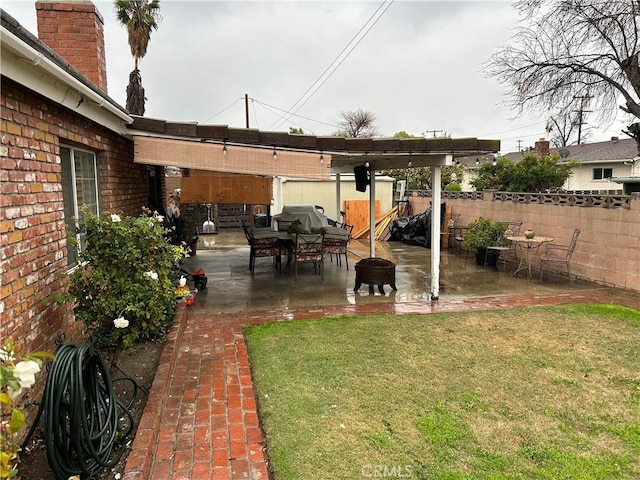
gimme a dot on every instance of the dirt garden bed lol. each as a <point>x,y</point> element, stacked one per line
<point>139,363</point>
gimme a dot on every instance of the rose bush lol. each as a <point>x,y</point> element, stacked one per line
<point>124,285</point>
<point>16,375</point>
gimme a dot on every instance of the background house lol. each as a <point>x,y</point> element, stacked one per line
<point>599,162</point>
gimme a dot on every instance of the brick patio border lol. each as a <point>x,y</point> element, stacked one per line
<point>201,420</point>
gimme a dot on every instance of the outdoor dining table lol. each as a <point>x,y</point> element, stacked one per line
<point>287,240</point>
<point>528,247</point>
<point>307,215</point>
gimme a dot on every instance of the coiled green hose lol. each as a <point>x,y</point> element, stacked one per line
<point>83,429</point>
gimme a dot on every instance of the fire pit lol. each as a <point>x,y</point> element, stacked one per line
<point>375,271</point>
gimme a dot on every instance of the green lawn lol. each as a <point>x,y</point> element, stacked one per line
<point>543,393</point>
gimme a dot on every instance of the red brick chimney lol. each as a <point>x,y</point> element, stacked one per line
<point>542,148</point>
<point>74,29</point>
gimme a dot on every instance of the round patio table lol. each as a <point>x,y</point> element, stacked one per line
<point>527,246</point>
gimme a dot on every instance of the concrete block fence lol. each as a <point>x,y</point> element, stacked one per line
<point>608,249</point>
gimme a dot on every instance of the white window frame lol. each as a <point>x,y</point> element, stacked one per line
<point>73,199</point>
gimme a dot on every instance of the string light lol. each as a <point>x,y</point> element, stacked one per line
<point>224,149</point>
<point>321,158</point>
<point>275,154</point>
<point>477,162</point>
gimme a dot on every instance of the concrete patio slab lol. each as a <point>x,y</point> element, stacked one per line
<point>201,419</point>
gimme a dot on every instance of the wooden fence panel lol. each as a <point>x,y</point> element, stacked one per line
<point>357,213</point>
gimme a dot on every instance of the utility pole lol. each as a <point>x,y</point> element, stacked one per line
<point>246,109</point>
<point>434,132</point>
<point>519,145</point>
<point>584,100</point>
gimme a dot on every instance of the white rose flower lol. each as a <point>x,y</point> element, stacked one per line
<point>183,281</point>
<point>159,218</point>
<point>121,322</point>
<point>4,355</point>
<point>115,218</point>
<point>25,372</point>
<point>151,274</point>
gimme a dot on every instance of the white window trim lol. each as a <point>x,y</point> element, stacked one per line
<point>76,206</point>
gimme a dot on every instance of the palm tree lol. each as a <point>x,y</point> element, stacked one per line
<point>140,17</point>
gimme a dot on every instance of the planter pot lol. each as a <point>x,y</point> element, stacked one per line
<point>491,257</point>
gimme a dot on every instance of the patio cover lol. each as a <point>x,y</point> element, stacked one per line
<point>238,159</point>
<point>251,151</point>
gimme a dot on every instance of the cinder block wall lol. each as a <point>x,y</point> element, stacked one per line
<point>608,249</point>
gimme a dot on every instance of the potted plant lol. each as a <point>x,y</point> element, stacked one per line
<point>480,234</point>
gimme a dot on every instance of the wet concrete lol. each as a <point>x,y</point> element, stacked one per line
<point>202,399</point>
<point>232,288</point>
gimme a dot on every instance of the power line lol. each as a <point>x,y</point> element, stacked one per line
<point>254,113</point>
<point>511,130</point>
<point>223,110</point>
<point>433,131</point>
<point>271,108</point>
<point>331,68</point>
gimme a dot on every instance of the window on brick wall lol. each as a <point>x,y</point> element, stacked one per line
<point>79,187</point>
<point>600,173</point>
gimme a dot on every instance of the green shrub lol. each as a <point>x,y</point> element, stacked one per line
<point>124,286</point>
<point>482,233</point>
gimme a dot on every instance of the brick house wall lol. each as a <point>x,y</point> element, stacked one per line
<point>32,228</point>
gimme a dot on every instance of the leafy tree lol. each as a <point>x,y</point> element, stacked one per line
<point>140,17</point>
<point>531,174</point>
<point>296,131</point>
<point>357,123</point>
<point>419,178</point>
<point>572,49</point>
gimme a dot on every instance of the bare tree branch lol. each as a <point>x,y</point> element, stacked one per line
<point>572,48</point>
<point>358,123</point>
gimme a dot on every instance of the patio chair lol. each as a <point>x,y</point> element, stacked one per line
<point>559,254</point>
<point>448,232</point>
<point>504,245</point>
<point>263,247</point>
<point>307,248</point>
<point>335,242</point>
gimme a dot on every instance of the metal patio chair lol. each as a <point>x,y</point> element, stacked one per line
<point>262,247</point>
<point>505,245</point>
<point>559,254</point>
<point>336,241</point>
<point>307,248</point>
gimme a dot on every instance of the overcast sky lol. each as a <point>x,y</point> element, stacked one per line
<point>417,65</point>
